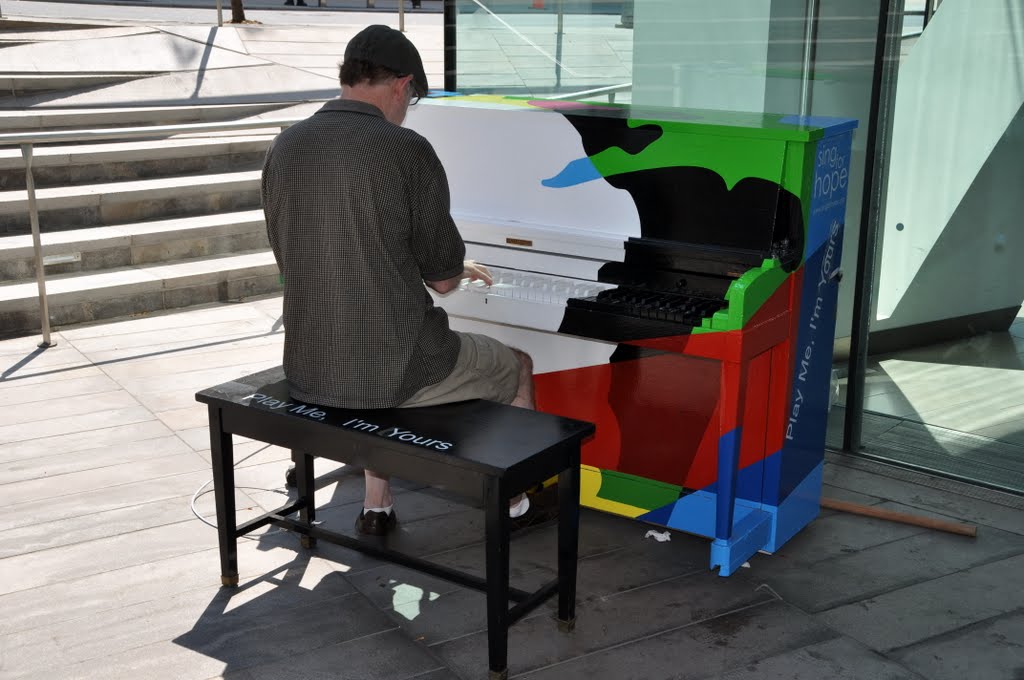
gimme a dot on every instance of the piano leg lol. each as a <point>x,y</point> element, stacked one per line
<point>735,542</point>
<point>730,431</point>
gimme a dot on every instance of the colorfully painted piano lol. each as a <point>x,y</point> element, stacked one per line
<point>673,273</point>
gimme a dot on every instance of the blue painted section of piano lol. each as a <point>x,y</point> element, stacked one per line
<point>807,416</point>
<point>576,172</point>
<point>755,527</point>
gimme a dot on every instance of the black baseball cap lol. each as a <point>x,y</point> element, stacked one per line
<point>384,46</point>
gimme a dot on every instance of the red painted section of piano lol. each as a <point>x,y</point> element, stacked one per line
<point>671,408</point>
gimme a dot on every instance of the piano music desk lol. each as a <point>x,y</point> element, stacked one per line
<point>483,450</point>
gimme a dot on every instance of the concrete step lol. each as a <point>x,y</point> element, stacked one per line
<point>21,83</point>
<point>47,119</point>
<point>112,203</point>
<point>143,243</point>
<point>131,291</point>
<point>108,162</point>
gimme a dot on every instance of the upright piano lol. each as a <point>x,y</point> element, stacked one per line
<point>673,274</point>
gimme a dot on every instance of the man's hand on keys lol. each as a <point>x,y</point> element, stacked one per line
<point>476,272</point>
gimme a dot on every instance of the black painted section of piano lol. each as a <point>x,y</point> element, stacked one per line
<point>697,237</point>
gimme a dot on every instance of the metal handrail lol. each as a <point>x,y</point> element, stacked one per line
<point>25,140</point>
<point>609,90</point>
<point>138,132</point>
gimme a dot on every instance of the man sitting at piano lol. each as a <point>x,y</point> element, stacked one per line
<point>357,211</point>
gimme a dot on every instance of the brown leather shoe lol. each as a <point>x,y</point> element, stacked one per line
<point>376,523</point>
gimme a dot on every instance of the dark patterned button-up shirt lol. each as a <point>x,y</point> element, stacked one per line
<point>358,216</point>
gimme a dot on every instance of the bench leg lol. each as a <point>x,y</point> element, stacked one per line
<point>497,552</point>
<point>568,543</point>
<point>222,456</point>
<point>304,479</point>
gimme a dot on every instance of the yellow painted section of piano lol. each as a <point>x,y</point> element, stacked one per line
<point>590,485</point>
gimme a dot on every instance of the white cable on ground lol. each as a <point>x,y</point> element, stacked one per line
<point>200,492</point>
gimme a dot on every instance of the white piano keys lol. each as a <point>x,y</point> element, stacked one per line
<point>517,298</point>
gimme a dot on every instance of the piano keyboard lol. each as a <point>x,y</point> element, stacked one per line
<point>518,298</point>
<point>545,288</point>
<point>652,305</point>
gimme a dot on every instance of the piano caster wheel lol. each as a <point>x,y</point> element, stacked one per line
<point>498,675</point>
<point>229,581</point>
<point>290,480</point>
<point>308,542</point>
<point>566,626</point>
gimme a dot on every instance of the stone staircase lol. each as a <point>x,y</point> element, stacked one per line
<point>129,226</point>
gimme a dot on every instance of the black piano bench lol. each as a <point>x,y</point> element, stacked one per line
<point>482,450</point>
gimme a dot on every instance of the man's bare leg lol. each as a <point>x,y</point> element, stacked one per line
<point>378,488</point>
<point>524,396</point>
<point>378,491</point>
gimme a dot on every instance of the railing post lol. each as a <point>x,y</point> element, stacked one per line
<point>401,15</point>
<point>810,48</point>
<point>220,13</point>
<point>37,246</point>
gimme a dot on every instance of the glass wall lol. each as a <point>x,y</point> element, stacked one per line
<point>543,47</point>
<point>945,385</point>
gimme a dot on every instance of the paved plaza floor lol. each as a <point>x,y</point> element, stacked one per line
<point>109,572</point>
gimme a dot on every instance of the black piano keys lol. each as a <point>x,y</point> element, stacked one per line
<point>640,303</point>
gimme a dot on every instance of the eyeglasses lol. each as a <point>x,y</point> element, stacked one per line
<point>413,97</point>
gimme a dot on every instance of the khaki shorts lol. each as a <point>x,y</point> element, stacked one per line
<point>485,369</point>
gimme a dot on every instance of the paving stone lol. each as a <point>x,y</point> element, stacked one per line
<point>194,415</point>
<point>193,381</point>
<point>385,656</point>
<point>532,564</point>
<point>20,432</point>
<point>992,650</point>
<point>105,477</point>
<point>602,625</point>
<point>88,595</point>
<point>439,674</point>
<point>835,534</point>
<point>69,406</point>
<point>392,587</point>
<point>840,659</point>
<point>195,354</point>
<point>110,498</point>
<point>268,620</point>
<point>870,572</point>
<point>48,376</point>
<point>952,505</point>
<point>250,452</point>
<point>115,552</point>
<point>144,355</point>
<point>88,440</point>
<point>599,533</point>
<point>46,535</point>
<point>197,320</point>
<point>841,494</point>
<point>58,390</point>
<point>441,616</point>
<point>24,353</point>
<point>702,649</point>
<point>925,610</point>
<point>705,649</point>
<point>52,467</point>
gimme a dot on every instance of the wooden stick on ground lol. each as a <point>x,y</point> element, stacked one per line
<point>927,522</point>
